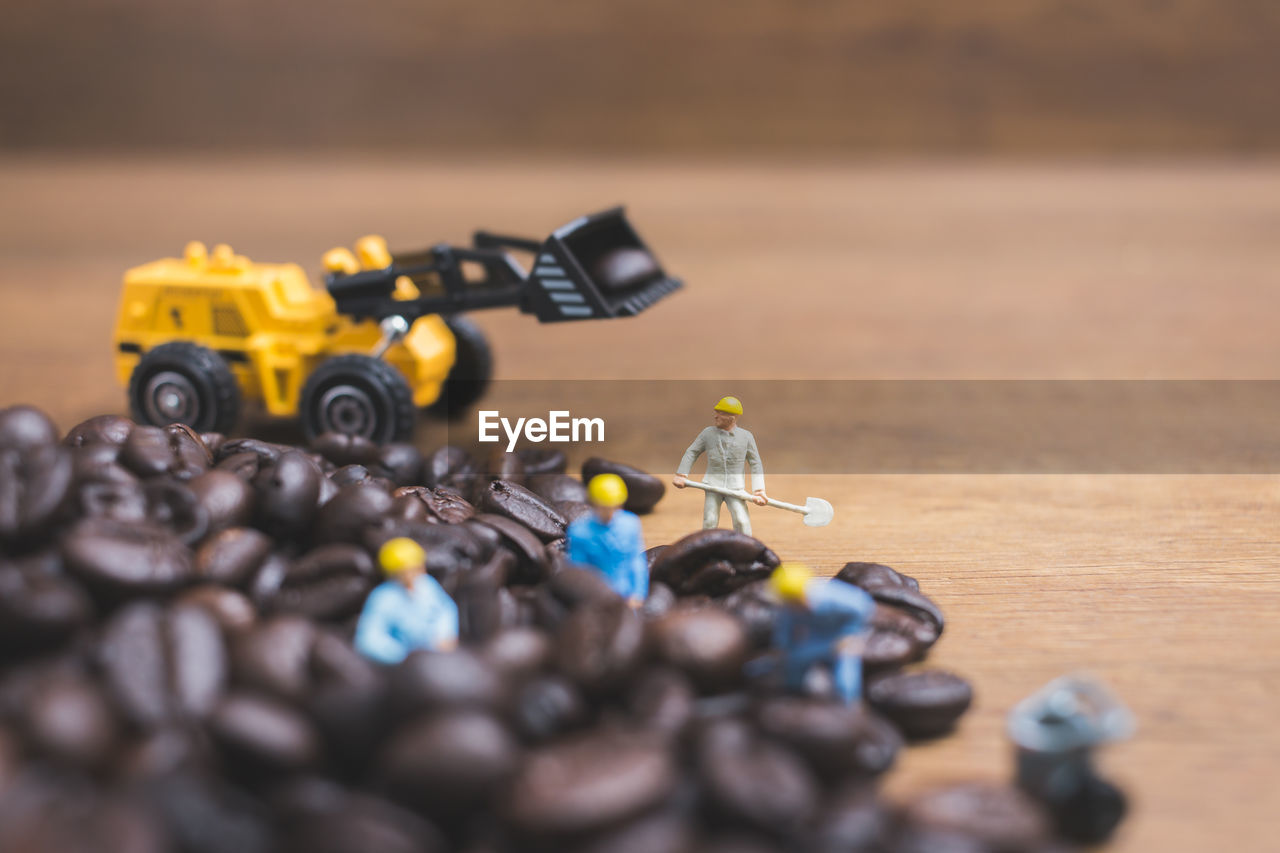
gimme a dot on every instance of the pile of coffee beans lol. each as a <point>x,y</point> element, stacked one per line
<point>177,673</point>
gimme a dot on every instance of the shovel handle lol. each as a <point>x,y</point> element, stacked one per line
<point>742,494</point>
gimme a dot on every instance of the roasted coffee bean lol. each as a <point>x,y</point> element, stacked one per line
<point>870,575</point>
<point>449,761</point>
<point>921,704</point>
<point>266,451</point>
<point>164,665</point>
<point>659,601</point>
<point>915,603</point>
<point>174,450</point>
<point>428,681</point>
<point>600,644</point>
<point>662,701</point>
<point>232,610</point>
<point>920,630</point>
<point>35,484</point>
<point>54,814</point>
<point>589,782</point>
<point>213,442</point>
<point>548,707</point>
<point>123,560</point>
<point>837,740</point>
<point>573,510</point>
<point>757,609</point>
<point>342,449</point>
<point>542,461</point>
<point>505,466</point>
<point>203,814</point>
<point>103,429</point>
<point>1001,817</point>
<point>852,819</point>
<point>351,512</point>
<point>441,504</point>
<point>668,831</point>
<point>574,586</point>
<point>25,428</point>
<point>226,498</point>
<point>287,493</point>
<point>452,467</point>
<point>683,559</point>
<point>232,557</point>
<point>888,649</point>
<point>353,823</point>
<point>755,782</point>
<point>707,644</point>
<point>531,554</point>
<point>327,583</point>
<point>244,465</point>
<point>349,475</point>
<point>38,610</point>
<point>643,489</point>
<point>175,507</point>
<point>69,720</point>
<point>274,656</point>
<point>523,506</point>
<point>483,609</point>
<point>263,734</point>
<point>400,463</point>
<point>518,653</point>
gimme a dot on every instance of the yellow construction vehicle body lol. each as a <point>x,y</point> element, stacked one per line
<point>268,322</point>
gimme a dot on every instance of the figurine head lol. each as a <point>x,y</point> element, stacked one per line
<point>607,492</point>
<point>403,559</point>
<point>790,582</point>
<point>726,412</point>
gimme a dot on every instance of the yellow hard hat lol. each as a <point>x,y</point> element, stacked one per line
<point>607,490</point>
<point>732,405</point>
<point>400,554</point>
<point>789,581</point>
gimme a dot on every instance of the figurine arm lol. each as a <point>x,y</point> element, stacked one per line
<point>757,467</point>
<point>691,455</point>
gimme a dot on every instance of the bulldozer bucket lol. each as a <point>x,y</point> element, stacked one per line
<point>593,268</point>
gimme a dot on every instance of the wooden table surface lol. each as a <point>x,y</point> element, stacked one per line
<point>1165,586</point>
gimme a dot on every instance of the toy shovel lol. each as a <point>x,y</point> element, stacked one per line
<point>816,511</point>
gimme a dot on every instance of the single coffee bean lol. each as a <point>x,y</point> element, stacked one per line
<point>531,554</point>
<point>119,559</point>
<point>1001,817</point>
<point>164,665</point>
<point>450,761</point>
<point>103,429</point>
<point>427,681</point>
<point>25,428</point>
<point>150,451</point>
<point>912,601</point>
<point>244,465</point>
<point>540,461</point>
<point>573,510</point>
<point>231,609</point>
<point>921,704</point>
<point>836,740</point>
<point>38,610</point>
<point>330,582</point>
<point>684,558</point>
<point>518,653</point>
<point>226,498</point>
<point>232,556</point>
<point>350,513</point>
<point>70,720</point>
<point>870,575</point>
<point>600,644</point>
<point>175,507</point>
<point>213,442</point>
<point>573,587</point>
<point>264,734</point>
<point>661,700</point>
<point>708,645</point>
<point>757,609</point>
<point>523,506</point>
<point>755,782</point>
<point>266,451</point>
<point>505,466</point>
<point>287,493</point>
<point>342,449</point>
<point>643,489</point>
<point>452,467</point>
<point>35,485</point>
<point>349,475</point>
<point>275,656</point>
<point>400,463</point>
<point>589,782</point>
<point>442,504</point>
<point>548,707</point>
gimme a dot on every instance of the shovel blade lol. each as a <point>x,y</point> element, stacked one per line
<point>817,512</point>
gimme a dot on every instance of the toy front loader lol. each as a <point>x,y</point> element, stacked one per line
<point>595,267</point>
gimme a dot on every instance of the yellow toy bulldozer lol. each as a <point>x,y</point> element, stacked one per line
<point>199,335</point>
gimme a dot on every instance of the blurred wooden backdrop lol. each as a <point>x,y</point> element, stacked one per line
<point>827,77</point>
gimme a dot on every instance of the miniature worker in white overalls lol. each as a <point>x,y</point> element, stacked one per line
<point>728,447</point>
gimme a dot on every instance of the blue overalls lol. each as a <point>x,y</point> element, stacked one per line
<point>616,549</point>
<point>836,612</point>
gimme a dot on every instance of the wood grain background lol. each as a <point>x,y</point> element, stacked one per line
<point>1165,586</point>
<point>822,77</point>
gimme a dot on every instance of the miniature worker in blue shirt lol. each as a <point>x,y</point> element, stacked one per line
<point>610,539</point>
<point>409,611</point>
<point>728,447</point>
<point>821,621</point>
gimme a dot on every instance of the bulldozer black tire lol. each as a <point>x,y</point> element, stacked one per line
<point>472,369</point>
<point>357,395</point>
<point>182,382</point>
